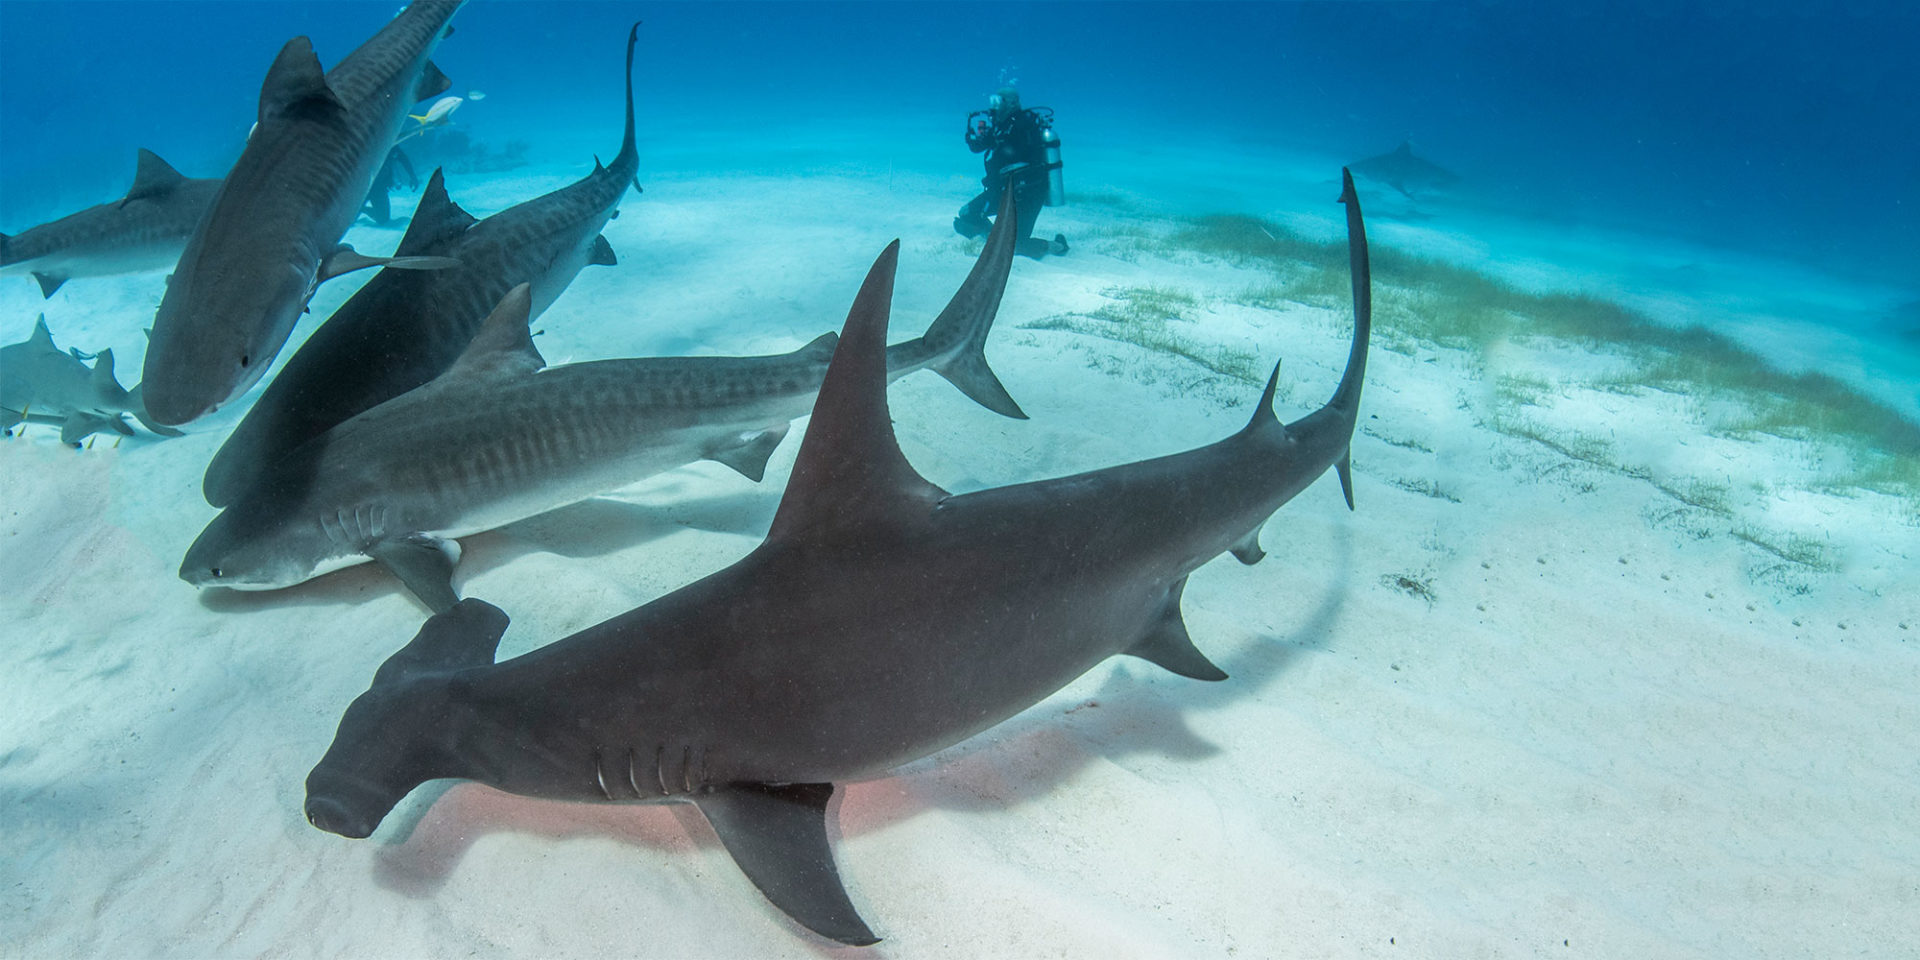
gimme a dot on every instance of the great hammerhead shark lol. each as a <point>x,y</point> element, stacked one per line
<point>882,620</point>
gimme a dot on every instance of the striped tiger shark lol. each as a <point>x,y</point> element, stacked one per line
<point>882,620</point>
<point>500,437</point>
<point>405,327</point>
<point>273,231</point>
<point>144,230</point>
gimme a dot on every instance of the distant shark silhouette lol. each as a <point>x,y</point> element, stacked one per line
<point>1405,172</point>
<point>273,231</point>
<point>500,437</point>
<point>881,621</point>
<point>40,383</point>
<point>144,230</point>
<point>406,327</point>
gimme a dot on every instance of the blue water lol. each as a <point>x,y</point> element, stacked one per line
<point>1787,129</point>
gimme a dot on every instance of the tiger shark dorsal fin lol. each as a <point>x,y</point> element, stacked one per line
<point>850,467</point>
<point>295,83</point>
<point>504,344</point>
<point>42,337</point>
<point>437,221</point>
<point>152,177</point>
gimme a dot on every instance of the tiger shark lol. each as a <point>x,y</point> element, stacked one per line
<point>499,437</point>
<point>273,230</point>
<point>882,620</point>
<point>405,327</point>
<point>40,383</point>
<point>144,230</point>
<point>1405,172</point>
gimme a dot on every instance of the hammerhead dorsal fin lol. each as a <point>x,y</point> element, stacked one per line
<point>152,177</point>
<point>464,635</point>
<point>504,344</point>
<point>437,221</point>
<point>295,83</point>
<point>850,466</point>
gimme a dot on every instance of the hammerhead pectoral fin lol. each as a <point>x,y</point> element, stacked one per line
<point>1247,549</point>
<point>603,255</point>
<point>1168,645</point>
<point>749,456</point>
<point>424,564</point>
<point>778,836</point>
<point>48,284</point>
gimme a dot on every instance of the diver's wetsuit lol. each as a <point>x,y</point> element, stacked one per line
<point>1014,140</point>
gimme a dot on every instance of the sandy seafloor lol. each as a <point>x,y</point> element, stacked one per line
<point>1614,729</point>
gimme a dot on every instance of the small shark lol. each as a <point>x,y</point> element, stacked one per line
<point>405,327</point>
<point>144,230</point>
<point>42,384</point>
<point>497,438</point>
<point>882,620</point>
<point>1405,172</point>
<point>273,231</point>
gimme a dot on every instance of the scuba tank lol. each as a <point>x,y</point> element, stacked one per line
<point>1056,189</point>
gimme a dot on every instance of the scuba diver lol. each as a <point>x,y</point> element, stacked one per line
<point>375,207</point>
<point>1021,149</point>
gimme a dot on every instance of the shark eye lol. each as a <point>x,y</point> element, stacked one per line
<point>216,572</point>
<point>245,361</point>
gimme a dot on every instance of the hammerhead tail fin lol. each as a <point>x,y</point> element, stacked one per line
<point>958,336</point>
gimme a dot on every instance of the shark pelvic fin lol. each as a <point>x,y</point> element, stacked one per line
<point>424,563</point>
<point>437,221</point>
<point>850,456</point>
<point>152,177</point>
<point>48,283</point>
<point>503,345</point>
<point>1247,549</point>
<point>778,836</point>
<point>749,456</point>
<point>464,635</point>
<point>602,255</point>
<point>296,86</point>
<point>79,425</point>
<point>1168,645</point>
<point>432,83</point>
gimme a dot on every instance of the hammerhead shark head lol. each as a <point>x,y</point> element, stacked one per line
<point>41,383</point>
<point>882,620</point>
<point>273,231</point>
<point>497,438</point>
<point>143,230</point>
<point>1405,172</point>
<point>406,327</point>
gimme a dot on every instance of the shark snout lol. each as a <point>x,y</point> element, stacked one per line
<point>333,816</point>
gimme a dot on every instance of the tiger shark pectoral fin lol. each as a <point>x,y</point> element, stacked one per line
<point>344,259</point>
<point>778,836</point>
<point>424,563</point>
<point>749,456</point>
